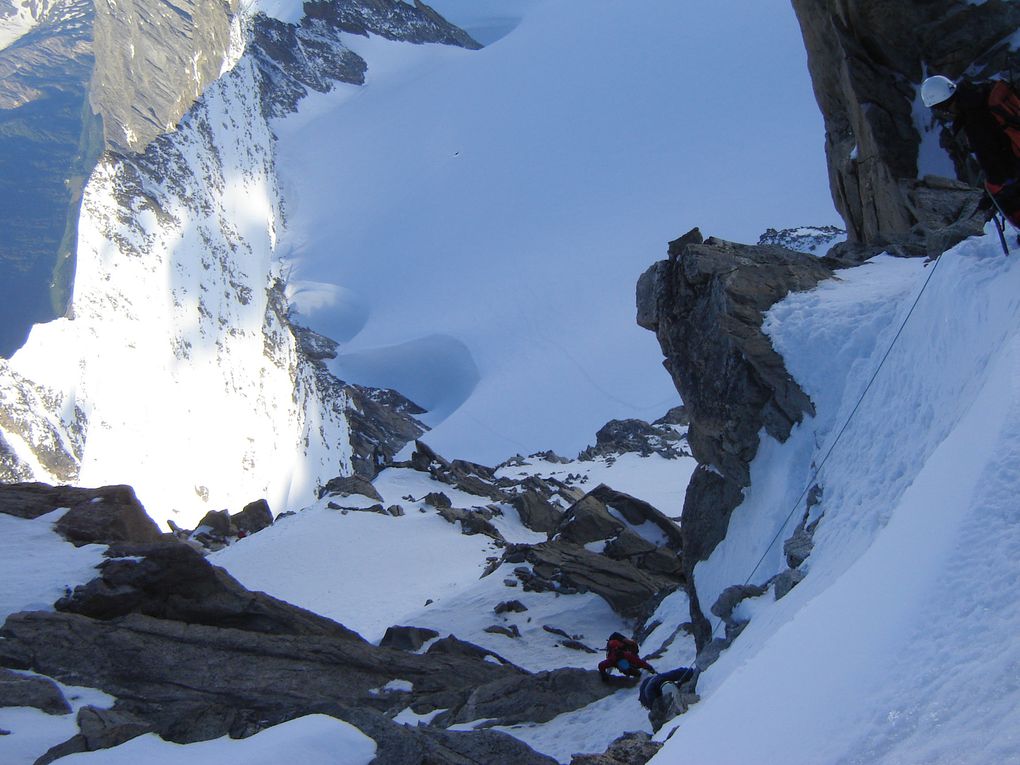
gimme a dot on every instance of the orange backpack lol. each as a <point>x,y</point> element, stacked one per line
<point>1004,104</point>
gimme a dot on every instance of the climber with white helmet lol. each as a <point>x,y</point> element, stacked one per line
<point>988,115</point>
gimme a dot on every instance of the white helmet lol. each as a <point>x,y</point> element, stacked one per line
<point>936,90</point>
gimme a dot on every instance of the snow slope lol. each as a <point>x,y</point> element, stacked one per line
<point>490,211</point>
<point>900,645</point>
<point>191,384</point>
<point>370,571</point>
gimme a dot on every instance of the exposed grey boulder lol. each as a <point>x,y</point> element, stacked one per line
<point>563,566</point>
<point>536,512</point>
<point>202,682</point>
<point>18,690</point>
<point>537,698</point>
<point>628,545</point>
<point>787,580</point>
<point>510,606</point>
<point>733,596</point>
<point>629,749</point>
<point>217,522</point>
<point>469,477</point>
<point>407,638</point>
<point>728,601</point>
<point>588,520</point>
<point>634,436</point>
<point>638,512</point>
<point>675,416</point>
<point>798,547</point>
<point>511,631</point>
<point>382,423</point>
<point>438,500</point>
<point>472,522</point>
<point>406,745</point>
<point>216,665</point>
<point>345,486</point>
<point>867,58</point>
<point>174,582</point>
<point>632,574</point>
<point>253,518</point>
<point>98,729</point>
<point>105,515</point>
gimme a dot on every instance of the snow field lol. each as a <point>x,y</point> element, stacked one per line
<point>311,740</point>
<point>33,732</point>
<point>36,564</point>
<point>500,205</point>
<point>899,646</point>
<point>370,571</point>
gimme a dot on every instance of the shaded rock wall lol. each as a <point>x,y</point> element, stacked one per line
<point>153,59</point>
<point>867,59</point>
<point>706,304</point>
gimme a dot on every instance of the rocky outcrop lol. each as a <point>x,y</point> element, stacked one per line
<point>310,55</point>
<point>407,638</point>
<point>222,660</point>
<point>633,436</point>
<point>535,698</point>
<point>813,240</point>
<point>382,421</point>
<point>628,749</point>
<point>108,515</point>
<point>27,691</point>
<point>706,305</point>
<point>604,541</point>
<point>392,19</point>
<point>867,59</point>
<point>98,729</point>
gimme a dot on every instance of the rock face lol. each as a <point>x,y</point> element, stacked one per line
<point>26,691</point>
<point>531,698</point>
<point>706,305</point>
<point>223,660</point>
<point>170,273</point>
<point>867,59</point>
<point>638,437</point>
<point>33,416</point>
<point>49,141</point>
<point>186,46</point>
<point>603,541</point>
<point>107,515</point>
<point>629,749</point>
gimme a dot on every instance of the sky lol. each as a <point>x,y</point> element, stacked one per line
<point>471,225</point>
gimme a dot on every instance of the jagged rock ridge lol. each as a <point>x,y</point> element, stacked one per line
<point>706,305</point>
<point>173,274</point>
<point>223,660</point>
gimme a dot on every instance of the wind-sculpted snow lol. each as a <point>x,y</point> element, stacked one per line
<point>899,643</point>
<point>178,351</point>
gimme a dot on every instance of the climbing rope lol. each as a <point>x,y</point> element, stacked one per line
<point>839,435</point>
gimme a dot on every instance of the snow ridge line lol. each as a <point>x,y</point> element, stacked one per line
<point>810,482</point>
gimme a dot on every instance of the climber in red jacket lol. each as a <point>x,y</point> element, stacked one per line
<point>622,653</point>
